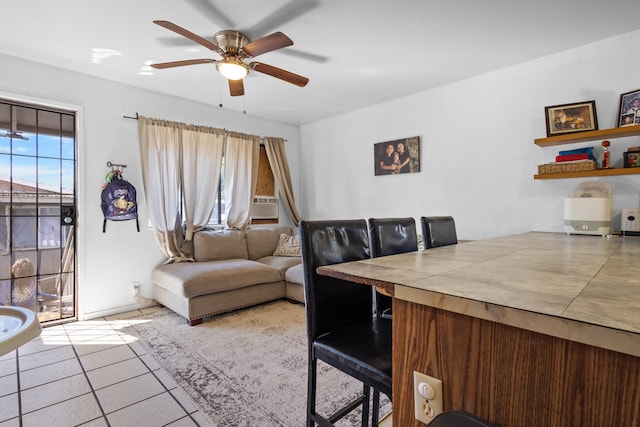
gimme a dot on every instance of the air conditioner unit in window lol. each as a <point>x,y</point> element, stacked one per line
<point>264,207</point>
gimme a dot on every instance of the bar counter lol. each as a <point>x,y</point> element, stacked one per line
<point>501,318</point>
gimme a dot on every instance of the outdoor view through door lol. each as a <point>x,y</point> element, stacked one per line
<point>38,209</point>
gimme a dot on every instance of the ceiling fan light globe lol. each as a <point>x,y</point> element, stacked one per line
<point>232,70</point>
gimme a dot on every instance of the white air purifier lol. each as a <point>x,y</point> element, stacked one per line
<point>589,209</point>
<point>630,221</point>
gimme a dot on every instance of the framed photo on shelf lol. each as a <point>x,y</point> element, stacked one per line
<point>569,118</point>
<point>631,159</point>
<point>629,113</point>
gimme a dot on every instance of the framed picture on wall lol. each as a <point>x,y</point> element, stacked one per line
<point>629,112</point>
<point>396,157</point>
<point>569,118</point>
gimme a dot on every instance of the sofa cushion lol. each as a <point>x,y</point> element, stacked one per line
<point>288,246</point>
<point>295,274</point>
<point>191,279</point>
<point>214,245</point>
<point>262,241</point>
<point>281,263</point>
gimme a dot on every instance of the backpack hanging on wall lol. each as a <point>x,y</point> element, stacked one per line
<point>118,200</point>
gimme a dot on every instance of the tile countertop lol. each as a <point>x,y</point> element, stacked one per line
<point>576,287</point>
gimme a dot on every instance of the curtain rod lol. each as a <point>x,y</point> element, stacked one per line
<point>136,118</point>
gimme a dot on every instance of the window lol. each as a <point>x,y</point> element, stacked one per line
<point>265,187</point>
<point>265,190</point>
<point>218,217</point>
<point>24,227</point>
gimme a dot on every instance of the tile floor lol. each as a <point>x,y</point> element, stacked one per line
<point>90,373</point>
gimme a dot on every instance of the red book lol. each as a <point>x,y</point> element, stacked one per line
<point>572,157</point>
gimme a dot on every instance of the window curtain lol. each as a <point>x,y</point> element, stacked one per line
<point>202,150</point>
<point>176,156</point>
<point>242,154</point>
<point>278,160</point>
<point>161,155</point>
<point>172,154</point>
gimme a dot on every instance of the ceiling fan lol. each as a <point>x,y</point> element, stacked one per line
<point>235,47</point>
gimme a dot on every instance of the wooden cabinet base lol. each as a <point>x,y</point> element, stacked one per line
<point>510,376</point>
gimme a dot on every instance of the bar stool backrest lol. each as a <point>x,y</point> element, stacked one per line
<point>438,231</point>
<point>333,303</point>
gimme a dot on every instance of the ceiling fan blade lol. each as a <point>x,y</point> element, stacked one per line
<point>304,55</point>
<point>279,73</point>
<point>236,87</point>
<point>268,43</point>
<point>188,34</point>
<point>172,64</point>
<point>210,10</point>
<point>171,41</point>
<point>284,14</point>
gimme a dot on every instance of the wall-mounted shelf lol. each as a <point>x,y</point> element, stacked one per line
<point>571,138</point>
<point>597,172</point>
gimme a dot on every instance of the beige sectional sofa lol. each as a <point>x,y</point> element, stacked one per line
<point>232,269</point>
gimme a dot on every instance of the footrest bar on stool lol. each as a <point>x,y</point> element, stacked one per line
<point>345,410</point>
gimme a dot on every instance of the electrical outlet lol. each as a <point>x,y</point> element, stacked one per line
<point>135,288</point>
<point>427,392</point>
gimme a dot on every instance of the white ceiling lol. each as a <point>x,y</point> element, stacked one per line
<point>355,52</point>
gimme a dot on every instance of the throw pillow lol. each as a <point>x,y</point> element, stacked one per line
<point>288,246</point>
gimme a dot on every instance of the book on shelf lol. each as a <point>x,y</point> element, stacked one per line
<point>571,157</point>
<point>588,150</point>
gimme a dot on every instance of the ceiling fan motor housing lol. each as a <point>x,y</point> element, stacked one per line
<point>231,41</point>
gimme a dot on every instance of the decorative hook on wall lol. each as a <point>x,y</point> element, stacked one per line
<point>115,167</point>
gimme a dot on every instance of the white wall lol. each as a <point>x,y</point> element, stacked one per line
<point>478,157</point>
<point>109,262</point>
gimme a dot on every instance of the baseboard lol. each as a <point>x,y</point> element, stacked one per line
<point>144,303</point>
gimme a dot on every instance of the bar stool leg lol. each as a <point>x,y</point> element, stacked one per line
<point>375,412</point>
<point>365,405</point>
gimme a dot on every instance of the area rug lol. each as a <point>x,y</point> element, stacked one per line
<point>248,367</point>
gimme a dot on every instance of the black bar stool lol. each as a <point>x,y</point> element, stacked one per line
<point>341,328</point>
<point>390,236</point>
<point>438,231</point>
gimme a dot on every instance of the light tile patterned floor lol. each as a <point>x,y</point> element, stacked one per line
<point>90,373</point>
